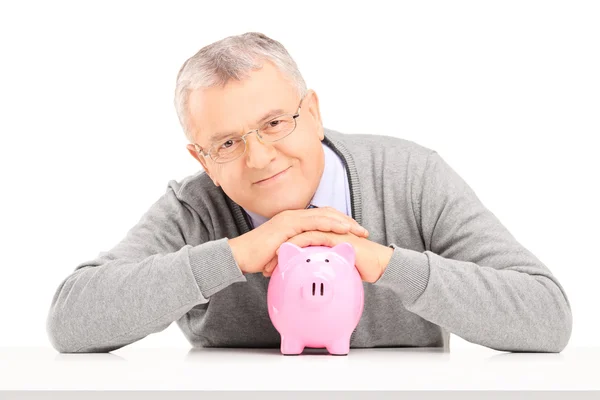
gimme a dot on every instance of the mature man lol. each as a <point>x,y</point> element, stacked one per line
<point>433,259</point>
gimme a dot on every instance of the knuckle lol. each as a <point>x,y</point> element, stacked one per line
<point>337,221</point>
<point>316,219</point>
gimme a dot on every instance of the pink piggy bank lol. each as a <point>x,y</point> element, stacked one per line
<point>315,297</point>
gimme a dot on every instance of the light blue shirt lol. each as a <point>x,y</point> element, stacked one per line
<point>333,190</point>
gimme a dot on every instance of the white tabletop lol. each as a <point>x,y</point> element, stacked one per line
<point>399,369</point>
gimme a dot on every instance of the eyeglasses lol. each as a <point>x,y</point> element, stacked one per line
<point>231,148</point>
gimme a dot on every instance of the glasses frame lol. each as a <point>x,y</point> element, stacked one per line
<point>204,154</point>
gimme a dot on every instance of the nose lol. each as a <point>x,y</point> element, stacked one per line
<point>258,154</point>
<point>317,291</point>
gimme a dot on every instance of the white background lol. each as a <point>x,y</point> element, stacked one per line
<point>507,92</point>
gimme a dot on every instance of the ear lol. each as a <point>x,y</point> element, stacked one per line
<point>286,251</point>
<point>313,109</point>
<point>346,251</point>
<point>201,160</point>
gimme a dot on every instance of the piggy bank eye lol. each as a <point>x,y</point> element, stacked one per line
<point>326,260</point>
<point>308,260</point>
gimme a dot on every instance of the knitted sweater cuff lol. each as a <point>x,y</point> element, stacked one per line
<point>407,273</point>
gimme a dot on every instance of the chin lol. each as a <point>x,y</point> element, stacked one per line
<point>290,202</point>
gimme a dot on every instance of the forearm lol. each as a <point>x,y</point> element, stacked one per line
<point>102,308</point>
<point>516,308</point>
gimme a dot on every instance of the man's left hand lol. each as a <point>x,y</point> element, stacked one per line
<point>371,258</point>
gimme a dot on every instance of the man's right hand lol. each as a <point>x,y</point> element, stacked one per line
<point>255,251</point>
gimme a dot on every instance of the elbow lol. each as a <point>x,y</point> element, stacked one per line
<point>557,321</point>
<point>58,336</point>
<point>564,330</point>
<point>62,334</point>
<point>61,337</point>
<point>558,333</point>
<point>544,337</point>
<point>59,326</point>
<point>558,338</point>
<point>564,322</point>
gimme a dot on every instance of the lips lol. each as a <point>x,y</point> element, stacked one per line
<point>272,175</point>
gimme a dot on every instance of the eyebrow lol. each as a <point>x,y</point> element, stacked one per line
<point>273,113</point>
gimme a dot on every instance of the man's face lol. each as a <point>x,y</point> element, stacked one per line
<point>236,108</point>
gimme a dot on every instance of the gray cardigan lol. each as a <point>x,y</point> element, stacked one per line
<point>455,268</point>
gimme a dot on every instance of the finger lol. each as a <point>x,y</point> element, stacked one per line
<point>333,224</point>
<point>357,229</point>
<point>270,266</point>
<point>325,219</point>
<point>331,212</point>
<point>328,224</point>
<point>313,238</point>
<point>334,213</point>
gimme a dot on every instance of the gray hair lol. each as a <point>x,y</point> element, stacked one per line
<point>231,58</point>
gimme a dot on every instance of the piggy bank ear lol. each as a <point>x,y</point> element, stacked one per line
<point>346,251</point>
<point>286,251</point>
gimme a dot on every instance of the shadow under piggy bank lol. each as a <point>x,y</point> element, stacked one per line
<point>315,297</point>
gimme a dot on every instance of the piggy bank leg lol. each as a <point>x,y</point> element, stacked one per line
<point>339,347</point>
<point>291,345</point>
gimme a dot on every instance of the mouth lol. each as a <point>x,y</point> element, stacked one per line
<point>273,178</point>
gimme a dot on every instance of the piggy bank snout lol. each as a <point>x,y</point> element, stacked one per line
<point>316,290</point>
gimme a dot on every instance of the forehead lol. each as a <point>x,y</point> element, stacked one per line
<point>238,105</point>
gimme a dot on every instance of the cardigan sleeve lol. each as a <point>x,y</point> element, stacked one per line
<point>475,279</point>
<point>149,279</point>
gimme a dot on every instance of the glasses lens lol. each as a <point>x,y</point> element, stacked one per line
<point>227,150</point>
<point>231,148</point>
<point>278,128</point>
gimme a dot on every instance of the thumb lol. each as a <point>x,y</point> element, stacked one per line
<point>270,265</point>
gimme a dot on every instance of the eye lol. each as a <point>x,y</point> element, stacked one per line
<point>326,260</point>
<point>308,260</point>
<point>276,121</point>
<point>227,141</point>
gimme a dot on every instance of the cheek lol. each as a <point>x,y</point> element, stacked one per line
<point>228,177</point>
<point>309,162</point>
